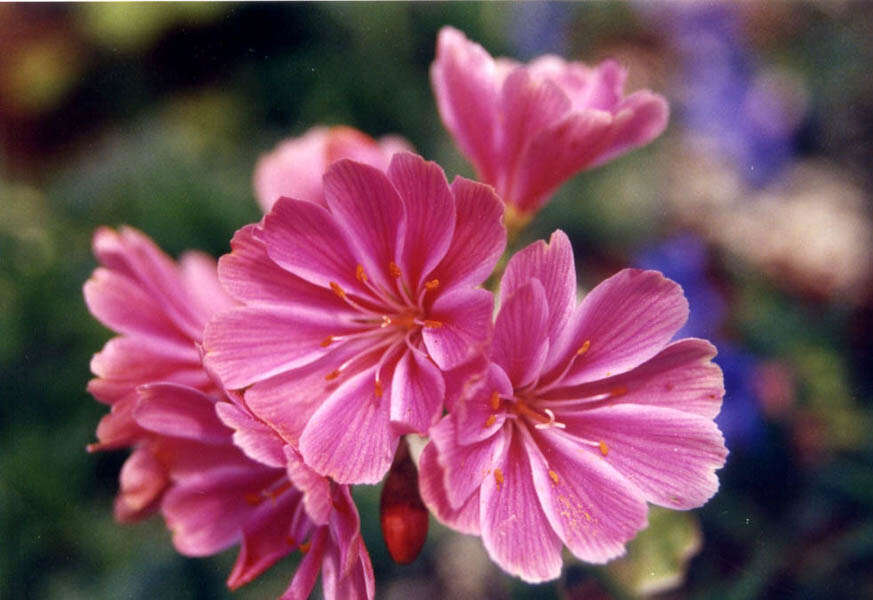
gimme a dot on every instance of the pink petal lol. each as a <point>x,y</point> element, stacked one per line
<point>417,391</point>
<point>670,455</point>
<point>463,77</point>
<point>553,265</point>
<point>475,416</point>
<point>367,207</point>
<point>598,87</point>
<point>465,466</point>
<point>430,214</point>
<point>120,304</point>
<point>250,344</point>
<point>466,326</point>
<point>287,401</point>
<point>515,531</point>
<point>199,273</point>
<point>647,116</point>
<point>591,506</point>
<point>206,515</point>
<point>355,582</point>
<point>132,361</point>
<point>293,169</point>
<point>557,153</point>
<point>621,323</point>
<point>308,569</point>
<point>528,107</point>
<point>349,437</point>
<point>464,379</point>
<point>315,488</point>
<point>479,236</point>
<point>142,481</point>
<point>433,493</point>
<point>345,528</point>
<point>266,538</point>
<point>252,277</point>
<point>117,428</point>
<point>189,460</point>
<point>131,254</point>
<point>521,334</point>
<point>682,377</point>
<point>178,411</point>
<point>306,240</point>
<point>252,436</point>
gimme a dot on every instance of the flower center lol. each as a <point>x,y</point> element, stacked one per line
<point>391,318</point>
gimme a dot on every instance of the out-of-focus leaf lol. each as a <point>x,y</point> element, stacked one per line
<point>657,559</point>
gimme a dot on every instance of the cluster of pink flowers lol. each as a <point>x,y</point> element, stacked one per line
<point>255,392</point>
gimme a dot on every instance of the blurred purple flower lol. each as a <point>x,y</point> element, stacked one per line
<point>726,98</point>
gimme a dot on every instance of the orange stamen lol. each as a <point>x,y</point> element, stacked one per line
<point>337,289</point>
<point>604,449</point>
<point>618,391</point>
<point>378,388</point>
<point>332,375</point>
<point>554,476</point>
<point>432,284</point>
<point>490,420</point>
<point>498,477</point>
<point>275,493</point>
<point>394,270</point>
<point>495,400</point>
<point>253,499</point>
<point>432,324</point>
<point>583,348</point>
<point>327,341</point>
<point>359,274</point>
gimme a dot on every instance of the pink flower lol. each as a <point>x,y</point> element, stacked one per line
<point>217,497</point>
<point>295,167</point>
<point>528,128</point>
<point>185,462</point>
<point>585,414</point>
<point>354,309</point>
<point>160,309</point>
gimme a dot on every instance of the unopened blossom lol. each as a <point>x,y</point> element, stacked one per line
<point>527,128</point>
<point>185,462</point>
<point>354,309</point>
<point>585,413</point>
<point>295,166</point>
<point>159,308</point>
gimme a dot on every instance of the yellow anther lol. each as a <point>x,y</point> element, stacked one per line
<point>337,289</point>
<point>583,348</point>
<point>327,341</point>
<point>378,388</point>
<point>554,476</point>
<point>490,420</point>
<point>359,273</point>
<point>498,477</point>
<point>432,324</point>
<point>394,269</point>
<point>587,516</point>
<point>304,547</point>
<point>432,284</point>
<point>332,375</point>
<point>604,449</point>
<point>495,400</point>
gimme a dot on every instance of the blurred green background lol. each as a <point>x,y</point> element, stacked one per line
<point>756,199</point>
